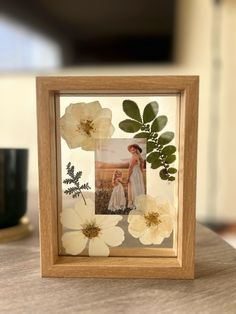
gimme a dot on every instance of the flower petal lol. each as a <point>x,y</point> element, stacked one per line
<point>133,214</point>
<point>89,144</point>
<point>97,247</point>
<point>75,109</point>
<point>164,208</point>
<point>74,242</point>
<point>145,203</point>
<point>70,218</point>
<point>113,236</point>
<point>92,110</point>
<point>151,236</point>
<point>83,111</point>
<point>103,127</point>
<point>105,113</point>
<point>69,131</point>
<point>137,226</point>
<point>85,212</point>
<point>105,221</point>
<point>166,226</point>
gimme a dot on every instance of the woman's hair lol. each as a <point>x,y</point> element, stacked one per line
<point>136,146</point>
<point>138,151</point>
<point>139,155</point>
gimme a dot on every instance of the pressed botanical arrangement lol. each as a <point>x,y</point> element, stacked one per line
<point>117,175</point>
<point>149,126</point>
<point>115,208</point>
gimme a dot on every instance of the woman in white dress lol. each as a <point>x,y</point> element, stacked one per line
<point>135,174</point>
<point>117,200</point>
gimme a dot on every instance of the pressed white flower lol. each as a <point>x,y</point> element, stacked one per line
<point>98,231</point>
<point>82,123</point>
<point>150,221</point>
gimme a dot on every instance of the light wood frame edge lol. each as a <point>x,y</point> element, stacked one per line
<point>53,265</point>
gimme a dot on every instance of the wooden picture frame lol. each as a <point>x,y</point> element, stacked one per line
<point>167,265</point>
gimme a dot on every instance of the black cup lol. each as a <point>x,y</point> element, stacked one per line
<point>13,185</point>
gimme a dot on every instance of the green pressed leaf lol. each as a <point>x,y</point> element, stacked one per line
<point>172,170</point>
<point>166,138</point>
<point>129,126</point>
<point>159,123</point>
<point>168,150</point>
<point>150,111</point>
<point>153,157</point>
<point>142,135</point>
<point>131,109</point>
<point>171,179</point>
<point>156,164</point>
<point>169,159</point>
<point>150,146</point>
<point>163,174</point>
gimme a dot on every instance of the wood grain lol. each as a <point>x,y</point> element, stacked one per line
<point>180,266</point>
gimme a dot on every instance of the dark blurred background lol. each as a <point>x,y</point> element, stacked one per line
<point>105,31</point>
<point>135,37</point>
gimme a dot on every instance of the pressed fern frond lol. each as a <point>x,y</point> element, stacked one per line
<point>75,190</point>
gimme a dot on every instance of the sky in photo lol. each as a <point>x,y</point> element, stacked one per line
<point>115,150</point>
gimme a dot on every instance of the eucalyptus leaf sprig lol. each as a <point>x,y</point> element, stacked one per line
<point>149,126</point>
<point>74,178</point>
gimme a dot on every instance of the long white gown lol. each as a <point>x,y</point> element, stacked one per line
<point>117,200</point>
<point>136,184</point>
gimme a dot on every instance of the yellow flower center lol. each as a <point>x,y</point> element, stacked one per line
<point>91,230</point>
<point>86,126</point>
<point>152,219</point>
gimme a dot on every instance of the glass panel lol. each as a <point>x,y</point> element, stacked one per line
<point>118,175</point>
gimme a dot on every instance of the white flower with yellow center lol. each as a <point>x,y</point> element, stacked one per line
<point>98,231</point>
<point>83,123</point>
<point>150,221</point>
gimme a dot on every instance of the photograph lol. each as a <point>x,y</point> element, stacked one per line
<point>120,174</point>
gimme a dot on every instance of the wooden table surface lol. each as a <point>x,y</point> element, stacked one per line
<point>22,290</point>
